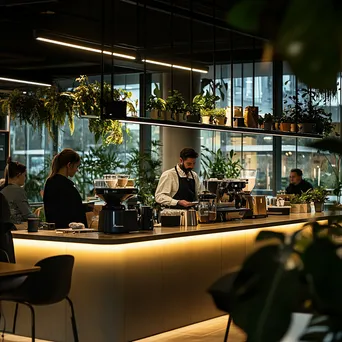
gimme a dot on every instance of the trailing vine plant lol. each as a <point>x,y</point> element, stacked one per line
<point>50,107</point>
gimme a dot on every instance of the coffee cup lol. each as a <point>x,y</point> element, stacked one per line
<point>33,224</point>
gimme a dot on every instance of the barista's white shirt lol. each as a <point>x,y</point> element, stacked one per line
<point>168,186</point>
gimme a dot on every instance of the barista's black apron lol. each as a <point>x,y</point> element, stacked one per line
<point>186,190</point>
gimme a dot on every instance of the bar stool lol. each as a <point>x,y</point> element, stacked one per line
<point>48,286</point>
<point>220,292</point>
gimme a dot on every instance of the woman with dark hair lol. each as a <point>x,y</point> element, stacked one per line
<point>62,201</point>
<point>12,189</point>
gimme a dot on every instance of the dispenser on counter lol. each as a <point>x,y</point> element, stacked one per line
<point>255,203</point>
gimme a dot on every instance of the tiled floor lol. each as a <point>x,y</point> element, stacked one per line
<point>209,331</point>
<point>213,331</point>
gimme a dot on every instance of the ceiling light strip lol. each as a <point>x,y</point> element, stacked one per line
<point>85,48</point>
<point>150,61</point>
<point>24,82</point>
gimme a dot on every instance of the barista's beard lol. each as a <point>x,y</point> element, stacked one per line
<point>186,170</point>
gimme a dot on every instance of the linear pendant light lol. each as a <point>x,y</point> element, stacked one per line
<point>85,48</point>
<point>174,66</point>
<point>24,82</point>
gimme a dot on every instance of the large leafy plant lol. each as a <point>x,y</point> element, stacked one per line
<point>94,164</point>
<point>307,106</point>
<point>285,275</point>
<point>219,164</point>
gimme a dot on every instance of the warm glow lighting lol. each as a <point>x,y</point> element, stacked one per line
<point>24,82</point>
<point>82,47</point>
<point>175,66</point>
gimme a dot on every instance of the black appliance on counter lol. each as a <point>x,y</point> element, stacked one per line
<point>114,216</point>
<point>119,216</point>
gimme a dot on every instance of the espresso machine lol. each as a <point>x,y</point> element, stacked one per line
<point>118,217</point>
<point>229,193</point>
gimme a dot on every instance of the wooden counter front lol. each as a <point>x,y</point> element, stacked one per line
<point>126,287</point>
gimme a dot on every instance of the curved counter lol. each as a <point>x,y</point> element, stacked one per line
<point>130,286</point>
<point>161,233</point>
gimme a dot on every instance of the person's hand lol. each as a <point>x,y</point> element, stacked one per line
<point>184,203</point>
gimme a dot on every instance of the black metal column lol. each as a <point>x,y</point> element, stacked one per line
<point>277,111</point>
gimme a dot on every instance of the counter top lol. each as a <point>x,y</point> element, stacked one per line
<point>160,233</point>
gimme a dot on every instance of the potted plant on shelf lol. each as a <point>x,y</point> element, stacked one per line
<point>285,122</point>
<point>268,121</point>
<point>193,112</point>
<point>156,105</point>
<point>175,106</point>
<point>219,115</point>
<point>260,122</point>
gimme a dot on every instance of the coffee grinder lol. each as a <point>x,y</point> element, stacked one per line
<point>115,217</point>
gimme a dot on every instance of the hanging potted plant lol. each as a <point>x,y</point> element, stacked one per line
<point>175,107</point>
<point>40,107</point>
<point>88,103</point>
<point>156,105</point>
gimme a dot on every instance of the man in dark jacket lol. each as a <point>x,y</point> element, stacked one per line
<point>298,185</point>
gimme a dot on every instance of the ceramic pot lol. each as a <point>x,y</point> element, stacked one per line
<point>206,120</point>
<point>285,126</point>
<point>221,120</point>
<point>268,126</point>
<point>293,127</point>
<point>307,127</point>
<point>319,207</point>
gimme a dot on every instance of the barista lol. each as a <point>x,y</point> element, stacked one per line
<point>179,186</point>
<point>298,185</point>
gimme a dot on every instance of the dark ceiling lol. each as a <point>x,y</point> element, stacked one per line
<point>178,31</point>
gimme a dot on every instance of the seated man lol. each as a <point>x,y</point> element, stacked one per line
<point>298,185</point>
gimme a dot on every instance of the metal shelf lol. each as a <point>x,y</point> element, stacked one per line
<point>219,128</point>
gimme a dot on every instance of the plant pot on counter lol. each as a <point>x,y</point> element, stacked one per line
<point>294,128</point>
<point>319,207</point>
<point>296,208</point>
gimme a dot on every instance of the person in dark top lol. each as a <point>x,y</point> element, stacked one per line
<point>62,201</point>
<point>298,185</point>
